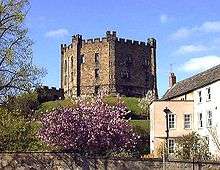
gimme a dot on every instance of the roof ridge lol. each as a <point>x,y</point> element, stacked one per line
<point>194,82</point>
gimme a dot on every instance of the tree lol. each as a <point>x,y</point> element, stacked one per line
<point>16,134</point>
<point>192,146</point>
<point>17,72</point>
<point>93,128</point>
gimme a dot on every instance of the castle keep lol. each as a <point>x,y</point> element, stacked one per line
<point>108,65</point>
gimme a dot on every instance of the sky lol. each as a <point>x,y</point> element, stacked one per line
<point>187,32</point>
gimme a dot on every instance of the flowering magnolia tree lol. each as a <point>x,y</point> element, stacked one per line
<point>90,128</point>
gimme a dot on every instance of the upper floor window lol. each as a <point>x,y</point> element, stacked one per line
<point>172,121</point>
<point>129,59</point>
<point>200,96</point>
<point>71,62</point>
<point>96,73</point>
<point>82,59</point>
<point>96,57</point>
<point>187,121</point>
<point>71,76</point>
<point>65,66</point>
<point>65,80</point>
<point>97,90</point>
<point>209,118</point>
<point>208,93</point>
<point>171,145</point>
<point>125,74</point>
<point>200,120</point>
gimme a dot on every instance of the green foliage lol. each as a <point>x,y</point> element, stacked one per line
<point>18,73</point>
<point>23,105</point>
<point>52,105</point>
<point>192,146</point>
<point>18,134</point>
<point>141,127</point>
<point>132,103</point>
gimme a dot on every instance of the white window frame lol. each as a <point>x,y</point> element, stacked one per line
<point>200,96</point>
<point>189,122</point>
<point>170,121</point>
<point>209,96</point>
<point>209,118</point>
<point>171,146</point>
<point>200,120</point>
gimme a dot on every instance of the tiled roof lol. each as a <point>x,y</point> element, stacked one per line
<point>197,81</point>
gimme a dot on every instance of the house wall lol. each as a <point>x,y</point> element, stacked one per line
<point>158,121</point>
<point>205,106</point>
<point>187,96</point>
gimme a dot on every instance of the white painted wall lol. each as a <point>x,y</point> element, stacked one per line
<point>203,107</point>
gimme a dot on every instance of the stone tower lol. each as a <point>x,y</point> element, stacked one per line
<point>108,65</point>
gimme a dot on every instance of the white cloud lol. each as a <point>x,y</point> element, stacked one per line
<point>182,33</point>
<point>191,49</point>
<point>200,63</point>
<point>210,26</point>
<point>163,18</point>
<point>57,33</point>
<point>206,27</point>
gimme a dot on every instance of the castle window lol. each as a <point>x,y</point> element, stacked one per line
<point>96,57</point>
<point>65,66</point>
<point>96,73</point>
<point>129,59</point>
<point>125,74</point>
<point>82,59</point>
<point>72,62</point>
<point>96,90</point>
<point>65,80</point>
<point>71,76</point>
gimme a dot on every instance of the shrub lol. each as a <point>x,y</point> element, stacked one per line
<point>91,128</point>
<point>192,146</point>
<point>18,134</point>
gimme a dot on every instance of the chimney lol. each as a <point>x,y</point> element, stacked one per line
<point>172,79</point>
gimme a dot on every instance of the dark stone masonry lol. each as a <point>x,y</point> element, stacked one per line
<point>108,65</point>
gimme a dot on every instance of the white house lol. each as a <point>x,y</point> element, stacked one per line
<point>204,90</point>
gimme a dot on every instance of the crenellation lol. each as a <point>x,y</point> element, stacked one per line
<point>128,41</point>
<point>136,42</point>
<point>142,43</point>
<point>97,40</point>
<point>90,40</point>
<point>104,39</point>
<point>121,40</point>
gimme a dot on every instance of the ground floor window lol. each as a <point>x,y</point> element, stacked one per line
<point>171,145</point>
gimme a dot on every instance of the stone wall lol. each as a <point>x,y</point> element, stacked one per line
<point>127,67</point>
<point>67,161</point>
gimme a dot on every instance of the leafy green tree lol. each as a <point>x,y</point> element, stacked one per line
<point>17,72</point>
<point>24,104</point>
<point>192,146</point>
<point>18,134</point>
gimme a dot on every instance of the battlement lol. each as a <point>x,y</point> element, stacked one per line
<point>131,42</point>
<point>49,94</point>
<point>94,40</point>
<point>109,34</point>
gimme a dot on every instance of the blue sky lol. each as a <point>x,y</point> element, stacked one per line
<point>187,32</point>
